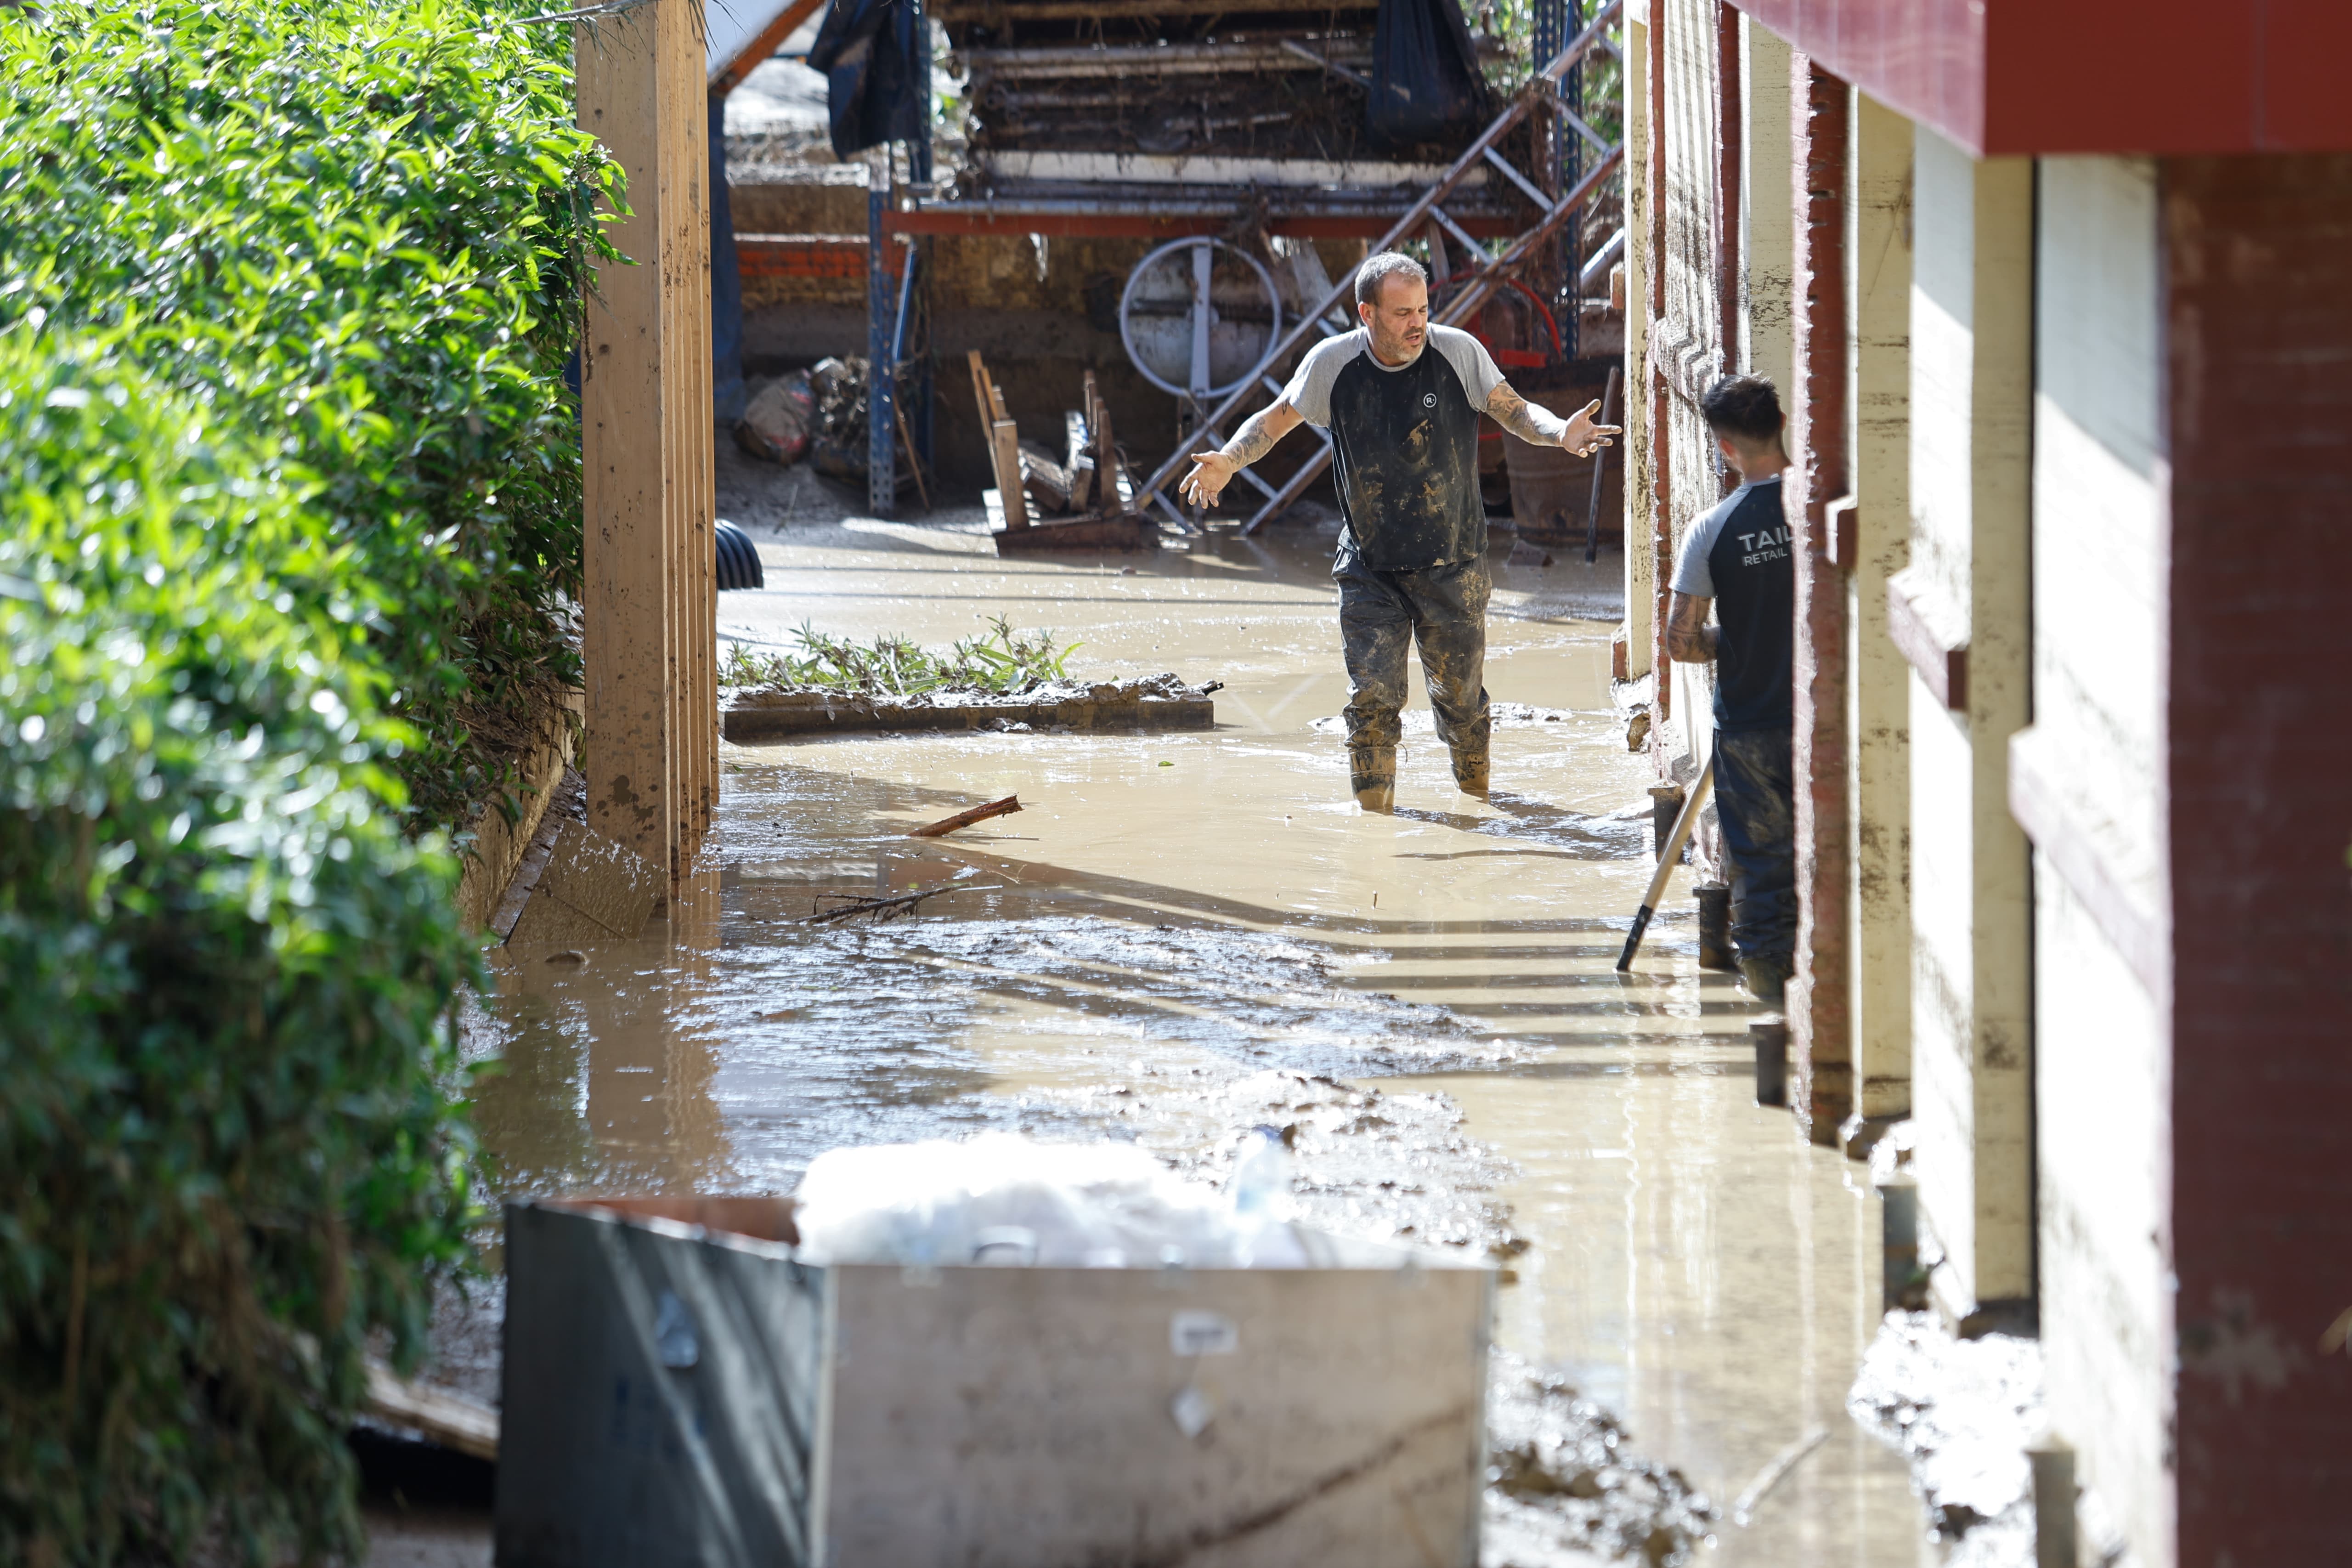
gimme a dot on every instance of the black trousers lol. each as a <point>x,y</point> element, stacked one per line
<point>1442,609</point>
<point>1756,802</point>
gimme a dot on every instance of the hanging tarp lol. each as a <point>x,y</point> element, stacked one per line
<point>869,51</point>
<point>1426,85</point>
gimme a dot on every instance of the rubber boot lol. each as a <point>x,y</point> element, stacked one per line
<point>1371,773</point>
<point>1767,980</point>
<point>1470,770</point>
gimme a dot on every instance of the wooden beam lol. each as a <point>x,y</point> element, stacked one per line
<point>649,611</point>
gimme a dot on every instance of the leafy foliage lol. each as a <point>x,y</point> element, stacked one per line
<point>291,490</point>
<point>224,973</point>
<point>1006,662</point>
<point>359,228</point>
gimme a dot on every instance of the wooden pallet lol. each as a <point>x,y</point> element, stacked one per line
<point>1085,502</point>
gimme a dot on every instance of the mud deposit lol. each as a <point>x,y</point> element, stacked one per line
<point>1183,937</point>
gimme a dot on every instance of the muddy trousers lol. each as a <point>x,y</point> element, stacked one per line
<point>1756,803</point>
<point>1443,610</point>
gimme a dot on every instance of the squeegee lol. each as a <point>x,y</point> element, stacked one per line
<point>1668,858</point>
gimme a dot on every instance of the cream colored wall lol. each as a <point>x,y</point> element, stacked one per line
<point>1766,346</point>
<point>1878,690</point>
<point>1641,478</point>
<point>1692,251</point>
<point>1970,396</point>
<point>2101,1055</point>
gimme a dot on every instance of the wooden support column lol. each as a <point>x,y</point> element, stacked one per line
<point>650,609</point>
<point>1820,1007</point>
<point>1878,704</point>
<point>1662,522</point>
<point>1640,440</point>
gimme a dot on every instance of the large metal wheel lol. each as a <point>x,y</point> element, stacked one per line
<point>1198,317</point>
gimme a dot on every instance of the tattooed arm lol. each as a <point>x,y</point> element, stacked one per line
<point>1212,471</point>
<point>1541,427</point>
<point>1689,639</point>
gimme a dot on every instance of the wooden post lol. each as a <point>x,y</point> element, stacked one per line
<point>1661,526</point>
<point>650,611</point>
<point>1820,1004</point>
<point>1004,446</point>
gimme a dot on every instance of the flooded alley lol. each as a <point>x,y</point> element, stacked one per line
<point>1182,936</point>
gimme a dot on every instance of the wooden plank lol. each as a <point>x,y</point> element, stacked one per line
<point>689,460</point>
<point>1107,484</point>
<point>628,600</point>
<point>449,1419</point>
<point>1005,452</point>
<point>650,608</point>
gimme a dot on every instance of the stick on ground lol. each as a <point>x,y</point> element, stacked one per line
<point>966,818</point>
<point>851,905</point>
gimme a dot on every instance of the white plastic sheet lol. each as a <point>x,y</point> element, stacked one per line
<point>1002,1199</point>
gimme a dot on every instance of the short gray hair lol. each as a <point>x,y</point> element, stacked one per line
<point>1378,269</point>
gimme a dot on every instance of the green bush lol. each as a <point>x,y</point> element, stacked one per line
<point>288,530</point>
<point>224,976</point>
<point>358,227</point>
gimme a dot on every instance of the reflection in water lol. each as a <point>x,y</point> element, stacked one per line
<point>603,1082</point>
<point>1182,936</point>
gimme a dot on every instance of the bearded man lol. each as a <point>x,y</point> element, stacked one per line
<point>1402,400</point>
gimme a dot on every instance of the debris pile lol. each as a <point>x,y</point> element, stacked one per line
<point>1562,1475</point>
<point>777,423</point>
<point>1082,500</point>
<point>819,413</point>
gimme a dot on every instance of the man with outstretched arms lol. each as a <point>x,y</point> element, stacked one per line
<point>1737,559</point>
<point>1412,557</point>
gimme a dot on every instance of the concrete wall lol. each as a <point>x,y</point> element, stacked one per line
<point>1878,691</point>
<point>2101,1066</point>
<point>1971,314</point>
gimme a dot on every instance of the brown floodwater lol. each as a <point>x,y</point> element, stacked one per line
<point>1181,936</point>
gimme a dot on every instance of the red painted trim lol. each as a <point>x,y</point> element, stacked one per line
<point>805,255</point>
<point>1115,224</point>
<point>2019,76</point>
<point>1820,1010</point>
<point>2258,332</point>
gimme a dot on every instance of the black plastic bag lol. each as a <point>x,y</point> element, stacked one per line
<point>1426,85</point>
<point>870,51</point>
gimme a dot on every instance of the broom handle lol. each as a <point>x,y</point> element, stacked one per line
<point>1668,859</point>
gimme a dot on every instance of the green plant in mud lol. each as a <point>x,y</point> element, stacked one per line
<point>225,976</point>
<point>358,230</point>
<point>1003,663</point>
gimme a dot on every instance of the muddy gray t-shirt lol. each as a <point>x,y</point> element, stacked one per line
<point>1405,440</point>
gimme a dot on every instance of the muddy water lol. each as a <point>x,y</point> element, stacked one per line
<point>1182,936</point>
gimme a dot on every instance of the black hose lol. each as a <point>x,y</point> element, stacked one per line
<point>738,560</point>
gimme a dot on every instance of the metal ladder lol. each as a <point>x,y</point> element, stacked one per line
<point>1492,268</point>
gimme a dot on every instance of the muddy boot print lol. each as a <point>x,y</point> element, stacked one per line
<point>1371,772</point>
<point>1470,771</point>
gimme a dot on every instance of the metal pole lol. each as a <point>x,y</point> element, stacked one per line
<point>881,420</point>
